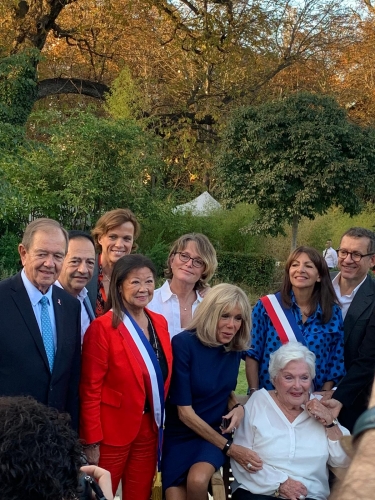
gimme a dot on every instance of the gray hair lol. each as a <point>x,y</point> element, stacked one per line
<point>292,351</point>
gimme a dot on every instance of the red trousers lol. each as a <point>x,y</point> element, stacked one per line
<point>134,464</point>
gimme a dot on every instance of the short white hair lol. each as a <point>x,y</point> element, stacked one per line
<point>292,351</point>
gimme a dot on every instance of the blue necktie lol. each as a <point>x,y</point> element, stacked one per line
<point>47,332</point>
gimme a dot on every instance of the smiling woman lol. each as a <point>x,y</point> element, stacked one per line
<point>126,370</point>
<point>294,435</point>
<point>191,264</point>
<point>308,308</point>
<point>114,235</point>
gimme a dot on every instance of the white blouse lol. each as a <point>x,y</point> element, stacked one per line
<point>166,302</point>
<point>300,450</point>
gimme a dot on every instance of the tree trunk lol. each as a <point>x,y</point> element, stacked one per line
<point>294,232</point>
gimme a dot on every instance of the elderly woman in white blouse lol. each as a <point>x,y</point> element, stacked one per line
<point>295,436</point>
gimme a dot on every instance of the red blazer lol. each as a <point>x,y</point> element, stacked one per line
<point>112,391</point>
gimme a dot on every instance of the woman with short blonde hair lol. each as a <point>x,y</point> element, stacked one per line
<point>206,360</point>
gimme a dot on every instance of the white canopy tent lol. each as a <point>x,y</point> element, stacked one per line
<point>204,204</point>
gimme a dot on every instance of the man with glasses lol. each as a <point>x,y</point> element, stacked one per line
<point>355,290</point>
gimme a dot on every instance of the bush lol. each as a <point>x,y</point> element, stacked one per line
<point>9,257</point>
<point>256,271</point>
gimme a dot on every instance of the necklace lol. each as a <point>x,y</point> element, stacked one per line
<point>304,313</point>
<point>153,338</point>
<point>106,276</point>
<point>186,303</point>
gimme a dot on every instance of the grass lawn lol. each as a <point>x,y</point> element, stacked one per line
<point>241,381</point>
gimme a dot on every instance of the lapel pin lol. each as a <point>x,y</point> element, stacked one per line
<point>59,302</point>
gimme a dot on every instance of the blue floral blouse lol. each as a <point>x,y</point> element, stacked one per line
<point>325,340</point>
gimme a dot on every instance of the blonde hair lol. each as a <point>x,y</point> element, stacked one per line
<point>112,219</point>
<point>220,299</point>
<point>205,250</point>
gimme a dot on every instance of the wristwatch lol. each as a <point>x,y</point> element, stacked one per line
<point>334,422</point>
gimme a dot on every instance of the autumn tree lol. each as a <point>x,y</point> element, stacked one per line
<point>295,158</point>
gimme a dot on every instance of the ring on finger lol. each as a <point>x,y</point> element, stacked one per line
<point>302,497</point>
<point>249,465</point>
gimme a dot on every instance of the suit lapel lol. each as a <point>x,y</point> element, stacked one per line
<point>58,307</point>
<point>23,304</point>
<point>362,300</point>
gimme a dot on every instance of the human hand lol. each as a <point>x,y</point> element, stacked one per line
<point>236,416</point>
<point>247,458</point>
<point>320,412</point>
<point>92,453</point>
<point>102,476</point>
<point>292,489</point>
<point>325,394</point>
<point>333,405</point>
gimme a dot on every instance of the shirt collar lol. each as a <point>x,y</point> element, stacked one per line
<point>166,293</point>
<point>336,284</point>
<point>82,294</point>
<point>318,310</point>
<point>34,294</point>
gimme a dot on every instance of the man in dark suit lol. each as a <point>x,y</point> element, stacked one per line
<point>77,271</point>
<point>40,324</point>
<point>355,290</point>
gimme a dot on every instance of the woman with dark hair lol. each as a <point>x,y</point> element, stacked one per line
<point>191,264</point>
<point>126,370</point>
<point>114,236</point>
<point>307,310</point>
<point>205,369</point>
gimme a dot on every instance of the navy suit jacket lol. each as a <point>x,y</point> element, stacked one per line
<point>359,355</point>
<point>24,366</point>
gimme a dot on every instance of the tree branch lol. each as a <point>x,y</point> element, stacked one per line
<point>55,86</point>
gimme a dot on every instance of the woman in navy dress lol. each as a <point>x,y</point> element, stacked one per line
<point>204,376</point>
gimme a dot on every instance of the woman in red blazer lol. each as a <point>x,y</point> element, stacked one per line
<point>126,370</point>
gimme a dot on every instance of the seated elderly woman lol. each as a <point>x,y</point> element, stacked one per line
<point>295,436</point>
<point>40,456</point>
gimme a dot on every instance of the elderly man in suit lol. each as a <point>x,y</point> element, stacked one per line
<point>40,332</point>
<point>77,271</point>
<point>355,290</point>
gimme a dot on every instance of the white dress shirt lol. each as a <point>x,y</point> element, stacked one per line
<point>35,295</point>
<point>166,303</point>
<point>345,300</point>
<point>299,450</point>
<point>85,318</point>
<point>330,256</point>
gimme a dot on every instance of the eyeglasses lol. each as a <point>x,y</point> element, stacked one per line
<point>185,257</point>
<point>355,256</point>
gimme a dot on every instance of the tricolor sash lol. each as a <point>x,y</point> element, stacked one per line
<point>284,322</point>
<point>282,319</point>
<point>152,375</point>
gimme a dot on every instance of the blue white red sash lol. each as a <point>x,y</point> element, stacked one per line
<point>282,319</point>
<point>152,375</point>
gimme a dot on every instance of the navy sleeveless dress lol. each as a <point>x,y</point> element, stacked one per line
<point>202,377</point>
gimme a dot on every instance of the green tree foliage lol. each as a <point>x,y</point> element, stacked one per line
<point>295,157</point>
<point>18,88</point>
<point>86,166</point>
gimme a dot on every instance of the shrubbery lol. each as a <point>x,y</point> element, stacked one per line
<point>256,271</point>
